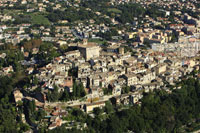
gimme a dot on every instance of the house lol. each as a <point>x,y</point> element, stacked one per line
<point>192,62</point>
<point>60,42</point>
<point>89,50</point>
<point>68,83</point>
<point>96,81</point>
<point>29,70</point>
<point>161,68</point>
<point>74,54</point>
<point>55,122</point>
<point>116,89</point>
<point>95,92</point>
<point>130,61</point>
<point>3,55</point>
<point>89,107</point>
<point>130,35</point>
<point>152,86</point>
<point>131,79</point>
<point>18,96</point>
<point>58,112</point>
<point>6,70</point>
<point>147,77</point>
<point>122,99</point>
<point>134,98</point>
<point>35,50</point>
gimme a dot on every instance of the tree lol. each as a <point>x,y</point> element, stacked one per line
<point>97,111</point>
<point>53,95</point>
<point>35,81</point>
<point>78,90</point>
<point>65,96</point>
<point>174,37</point>
<point>74,89</point>
<point>53,17</point>
<point>7,117</point>
<point>31,106</point>
<point>82,90</point>
<point>109,108</point>
<point>147,43</point>
<point>39,114</point>
<point>23,127</point>
<point>125,89</point>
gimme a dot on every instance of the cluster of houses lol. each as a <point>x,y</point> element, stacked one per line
<point>53,115</point>
<point>90,31</point>
<point>14,35</point>
<point>184,24</point>
<point>185,47</point>
<point>114,69</point>
<point>110,67</point>
<point>169,3</point>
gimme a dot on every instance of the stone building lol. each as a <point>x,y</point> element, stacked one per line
<point>89,50</point>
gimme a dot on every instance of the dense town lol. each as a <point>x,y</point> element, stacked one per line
<point>69,55</point>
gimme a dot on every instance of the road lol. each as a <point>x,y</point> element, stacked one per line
<point>75,103</point>
<point>80,103</point>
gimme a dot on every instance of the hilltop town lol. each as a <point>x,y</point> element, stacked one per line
<point>62,61</point>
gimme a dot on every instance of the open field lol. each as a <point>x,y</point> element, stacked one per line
<point>39,19</point>
<point>114,10</point>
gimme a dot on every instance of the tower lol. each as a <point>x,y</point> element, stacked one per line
<point>121,50</point>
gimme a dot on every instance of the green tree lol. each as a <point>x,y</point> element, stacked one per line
<point>109,108</point>
<point>35,81</point>
<point>97,111</point>
<point>53,95</point>
<point>31,106</point>
<point>65,96</point>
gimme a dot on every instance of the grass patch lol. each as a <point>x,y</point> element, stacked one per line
<point>11,12</point>
<point>99,41</point>
<point>114,10</point>
<point>38,19</point>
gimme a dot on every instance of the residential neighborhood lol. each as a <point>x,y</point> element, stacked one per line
<point>65,61</point>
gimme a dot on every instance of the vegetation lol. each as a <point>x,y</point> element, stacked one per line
<point>78,92</point>
<point>114,10</point>
<point>159,112</point>
<point>29,45</point>
<point>155,11</point>
<point>10,117</point>
<point>47,53</point>
<point>70,14</point>
<point>129,12</point>
<point>107,91</point>
<point>22,19</point>
<point>100,5</point>
<point>53,95</point>
<point>33,18</point>
<point>99,41</point>
<point>13,56</point>
<point>39,20</point>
